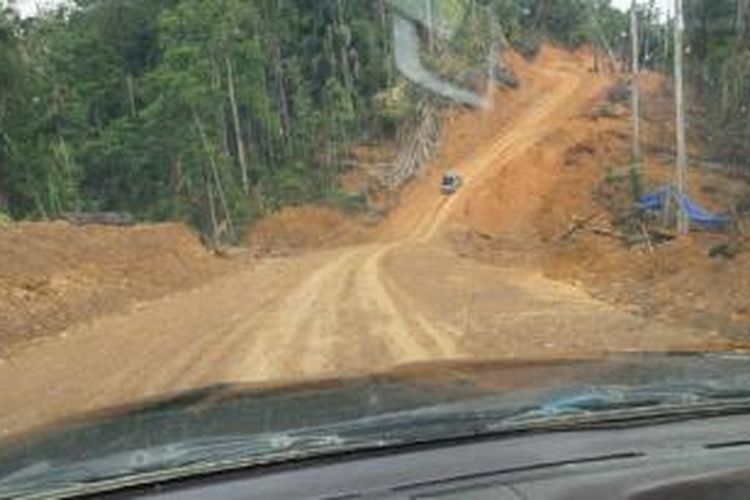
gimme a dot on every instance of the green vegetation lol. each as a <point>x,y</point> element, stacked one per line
<point>206,111</point>
<point>213,111</point>
<point>718,66</point>
<point>571,22</point>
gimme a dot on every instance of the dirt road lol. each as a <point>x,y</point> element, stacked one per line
<point>404,297</point>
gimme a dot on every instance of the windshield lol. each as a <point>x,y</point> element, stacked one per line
<point>284,195</point>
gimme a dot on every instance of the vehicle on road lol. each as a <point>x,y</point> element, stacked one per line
<point>451,183</point>
<point>375,249</point>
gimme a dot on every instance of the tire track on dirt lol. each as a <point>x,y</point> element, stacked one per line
<point>282,326</point>
<point>441,339</point>
<point>527,131</point>
<point>308,321</point>
<point>524,132</point>
<point>204,353</point>
<point>297,317</point>
<point>315,331</point>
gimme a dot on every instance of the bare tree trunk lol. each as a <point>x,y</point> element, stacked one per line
<point>212,213</point>
<point>346,69</point>
<point>741,22</point>
<point>385,39</point>
<point>382,17</point>
<point>214,171</point>
<point>646,52</point>
<point>596,61</point>
<point>683,225</point>
<point>603,38</point>
<point>281,91</point>
<point>178,177</point>
<point>221,114</point>
<point>131,94</point>
<point>221,118</point>
<point>237,129</point>
<point>634,87</point>
<point>666,46</point>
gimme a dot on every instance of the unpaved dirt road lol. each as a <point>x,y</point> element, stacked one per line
<point>404,297</point>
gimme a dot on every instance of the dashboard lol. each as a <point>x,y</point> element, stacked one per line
<point>700,459</point>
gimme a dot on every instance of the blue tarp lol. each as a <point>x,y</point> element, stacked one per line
<point>697,214</point>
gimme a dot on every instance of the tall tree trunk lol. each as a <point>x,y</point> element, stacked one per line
<point>214,170</point>
<point>221,117</point>
<point>346,68</point>
<point>281,90</point>
<point>540,14</point>
<point>382,15</point>
<point>634,87</point>
<point>278,75</point>
<point>743,9</point>
<point>683,225</point>
<point>237,128</point>
<point>177,177</point>
<point>666,45</point>
<point>130,85</point>
<point>212,213</point>
<point>603,38</point>
<point>429,9</point>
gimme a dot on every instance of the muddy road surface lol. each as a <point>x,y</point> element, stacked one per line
<point>404,297</point>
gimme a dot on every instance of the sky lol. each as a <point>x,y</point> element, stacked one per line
<point>28,7</point>
<point>665,5</point>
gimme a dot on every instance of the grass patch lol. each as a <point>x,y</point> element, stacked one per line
<point>5,220</point>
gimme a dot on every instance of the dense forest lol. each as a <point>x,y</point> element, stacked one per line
<point>215,111</point>
<point>718,67</point>
<point>198,109</point>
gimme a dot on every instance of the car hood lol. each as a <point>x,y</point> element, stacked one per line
<point>241,411</point>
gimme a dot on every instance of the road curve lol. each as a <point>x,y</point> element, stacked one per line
<point>402,298</point>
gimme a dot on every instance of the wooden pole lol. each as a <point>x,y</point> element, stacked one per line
<point>634,88</point>
<point>683,225</point>
<point>665,36</point>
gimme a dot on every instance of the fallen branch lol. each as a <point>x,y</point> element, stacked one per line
<point>578,225</point>
<point>661,234</point>
<point>99,218</point>
<point>609,233</point>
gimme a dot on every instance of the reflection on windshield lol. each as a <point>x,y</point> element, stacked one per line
<point>226,427</point>
<point>199,194</point>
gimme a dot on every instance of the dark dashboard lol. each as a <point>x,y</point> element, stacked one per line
<point>700,459</point>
